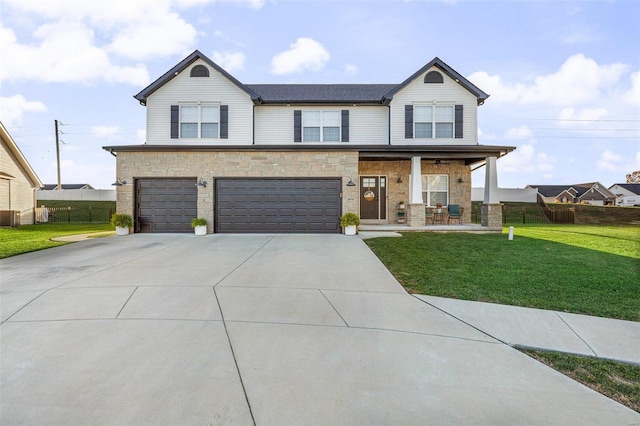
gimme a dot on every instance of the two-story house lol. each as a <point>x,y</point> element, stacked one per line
<point>294,157</point>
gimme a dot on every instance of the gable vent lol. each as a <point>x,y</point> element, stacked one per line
<point>199,71</point>
<point>433,77</point>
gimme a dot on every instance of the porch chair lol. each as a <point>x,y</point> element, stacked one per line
<point>428,215</point>
<point>455,213</point>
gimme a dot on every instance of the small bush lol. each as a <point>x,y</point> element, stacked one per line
<point>121,220</point>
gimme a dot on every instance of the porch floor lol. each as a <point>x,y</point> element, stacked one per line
<point>391,227</point>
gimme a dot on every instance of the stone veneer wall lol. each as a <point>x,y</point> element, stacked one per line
<point>210,165</point>
<point>459,193</point>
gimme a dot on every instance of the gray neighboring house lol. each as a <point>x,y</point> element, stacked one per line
<point>18,184</point>
<point>588,193</point>
<point>54,186</point>
<point>294,157</point>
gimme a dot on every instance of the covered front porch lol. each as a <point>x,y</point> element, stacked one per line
<point>401,187</point>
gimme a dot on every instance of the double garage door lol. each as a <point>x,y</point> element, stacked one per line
<point>242,205</point>
<point>278,205</point>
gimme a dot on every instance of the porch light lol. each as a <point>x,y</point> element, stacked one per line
<point>351,182</point>
<point>201,183</point>
<point>460,180</point>
<point>399,179</point>
<point>119,182</point>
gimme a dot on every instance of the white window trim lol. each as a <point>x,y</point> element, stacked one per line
<point>322,124</point>
<point>199,122</point>
<point>433,120</point>
<point>427,191</point>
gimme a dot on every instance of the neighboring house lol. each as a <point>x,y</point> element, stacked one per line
<point>18,184</point>
<point>54,186</point>
<point>625,189</point>
<point>588,193</point>
<point>294,157</point>
<point>627,194</point>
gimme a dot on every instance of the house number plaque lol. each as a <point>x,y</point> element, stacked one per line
<point>369,195</point>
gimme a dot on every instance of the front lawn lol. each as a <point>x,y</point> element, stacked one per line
<point>592,270</point>
<point>617,380</point>
<point>24,239</point>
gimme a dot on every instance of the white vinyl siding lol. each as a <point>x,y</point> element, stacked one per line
<point>367,124</point>
<point>18,192</point>
<point>449,93</point>
<point>182,90</point>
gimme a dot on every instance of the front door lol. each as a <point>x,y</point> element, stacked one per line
<point>373,197</point>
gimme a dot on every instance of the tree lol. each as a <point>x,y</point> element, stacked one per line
<point>634,177</point>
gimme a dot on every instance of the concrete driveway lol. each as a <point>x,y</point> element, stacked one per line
<point>254,329</point>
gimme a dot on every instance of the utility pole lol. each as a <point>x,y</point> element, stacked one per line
<point>58,154</point>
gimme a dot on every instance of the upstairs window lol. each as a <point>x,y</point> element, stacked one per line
<point>321,126</point>
<point>199,121</point>
<point>433,121</point>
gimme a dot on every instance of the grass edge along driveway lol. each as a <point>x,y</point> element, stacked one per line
<point>28,238</point>
<point>593,270</point>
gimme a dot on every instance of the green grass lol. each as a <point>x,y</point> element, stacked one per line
<point>592,270</point>
<point>617,380</point>
<point>29,238</point>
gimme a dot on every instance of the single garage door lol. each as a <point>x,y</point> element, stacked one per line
<point>166,204</point>
<point>278,205</point>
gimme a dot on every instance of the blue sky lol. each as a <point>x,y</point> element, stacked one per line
<point>564,76</point>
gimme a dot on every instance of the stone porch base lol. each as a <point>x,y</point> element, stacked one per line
<point>471,228</point>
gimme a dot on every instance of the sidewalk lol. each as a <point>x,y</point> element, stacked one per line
<point>548,330</point>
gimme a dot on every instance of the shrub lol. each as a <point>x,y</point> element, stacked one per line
<point>349,219</point>
<point>200,221</point>
<point>121,220</point>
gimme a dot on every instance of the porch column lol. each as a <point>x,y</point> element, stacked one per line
<point>415,213</point>
<point>491,212</point>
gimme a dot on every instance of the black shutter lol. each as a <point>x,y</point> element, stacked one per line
<point>459,121</point>
<point>175,121</point>
<point>224,121</point>
<point>297,125</point>
<point>345,125</point>
<point>408,121</point>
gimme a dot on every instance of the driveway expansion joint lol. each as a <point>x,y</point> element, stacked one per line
<point>574,332</point>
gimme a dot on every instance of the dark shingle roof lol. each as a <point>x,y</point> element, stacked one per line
<point>52,186</point>
<point>312,93</point>
<point>550,190</point>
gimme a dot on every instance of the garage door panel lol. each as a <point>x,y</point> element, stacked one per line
<point>278,205</point>
<point>166,204</point>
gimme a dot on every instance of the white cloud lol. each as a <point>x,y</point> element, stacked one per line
<point>526,159</point>
<point>12,108</point>
<point>579,79</point>
<point>583,116</point>
<point>611,162</point>
<point>351,69</point>
<point>141,134</point>
<point>522,132</point>
<point>230,61</point>
<point>65,54</point>
<point>633,97</point>
<point>155,34</point>
<point>304,54</point>
<point>105,131</point>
